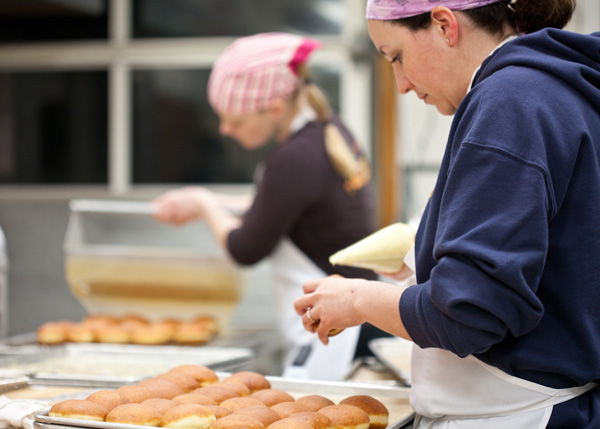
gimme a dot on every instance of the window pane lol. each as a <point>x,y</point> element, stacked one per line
<point>35,20</point>
<point>54,127</point>
<point>189,18</point>
<point>176,136</point>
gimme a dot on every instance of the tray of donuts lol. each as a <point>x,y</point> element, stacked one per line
<point>196,397</point>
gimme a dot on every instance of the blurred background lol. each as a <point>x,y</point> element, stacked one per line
<point>107,99</point>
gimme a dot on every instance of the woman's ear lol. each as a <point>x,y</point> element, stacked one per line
<point>277,107</point>
<point>445,23</point>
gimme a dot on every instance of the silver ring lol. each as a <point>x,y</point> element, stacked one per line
<point>308,315</point>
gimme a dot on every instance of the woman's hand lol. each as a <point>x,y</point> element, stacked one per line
<point>404,273</point>
<point>180,206</point>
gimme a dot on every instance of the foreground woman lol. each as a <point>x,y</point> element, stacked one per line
<point>504,313</point>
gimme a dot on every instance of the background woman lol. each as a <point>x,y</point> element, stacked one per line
<point>504,313</point>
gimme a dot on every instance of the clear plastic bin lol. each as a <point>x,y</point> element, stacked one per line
<point>120,261</point>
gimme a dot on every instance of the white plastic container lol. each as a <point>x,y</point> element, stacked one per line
<point>120,261</point>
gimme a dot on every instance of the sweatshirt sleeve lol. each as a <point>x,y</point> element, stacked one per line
<point>489,254</point>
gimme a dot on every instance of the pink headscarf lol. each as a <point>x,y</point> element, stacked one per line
<point>396,9</point>
<point>254,70</point>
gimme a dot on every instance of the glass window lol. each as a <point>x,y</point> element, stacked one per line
<point>52,20</point>
<point>192,18</point>
<point>175,132</point>
<point>54,127</point>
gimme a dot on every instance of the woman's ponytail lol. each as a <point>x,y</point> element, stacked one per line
<point>534,15</point>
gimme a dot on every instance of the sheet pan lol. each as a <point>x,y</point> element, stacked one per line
<point>395,353</point>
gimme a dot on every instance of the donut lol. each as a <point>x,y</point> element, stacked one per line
<point>240,402</point>
<point>151,334</point>
<point>194,398</point>
<point>79,409</point>
<point>184,381</point>
<point>109,399</point>
<point>270,397</point>
<point>217,393</point>
<point>316,420</point>
<point>263,414</point>
<point>344,416</point>
<point>253,380</point>
<point>286,409</point>
<point>135,393</point>
<point>99,319</point>
<point>237,421</point>
<point>291,424</point>
<point>209,321</point>
<point>134,414</point>
<point>80,333</point>
<point>240,388</point>
<point>159,404</point>
<point>161,388</point>
<point>53,332</point>
<point>202,374</point>
<point>378,413</point>
<point>218,411</point>
<point>188,416</point>
<point>192,333</point>
<point>112,333</point>
<point>315,402</point>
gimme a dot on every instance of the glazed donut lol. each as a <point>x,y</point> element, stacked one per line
<point>237,403</point>
<point>80,333</point>
<point>378,413</point>
<point>184,381</point>
<point>218,411</point>
<point>79,409</point>
<point>202,374</point>
<point>112,333</point>
<point>346,416</point>
<point>151,334</point>
<point>194,398</point>
<point>191,333</point>
<point>208,321</point>
<point>159,404</point>
<point>134,414</point>
<point>315,402</point>
<point>290,424</point>
<point>286,409</point>
<point>188,416</point>
<point>109,399</point>
<point>135,393</point>
<point>237,421</point>
<point>263,414</point>
<point>53,332</point>
<point>217,393</point>
<point>316,420</point>
<point>270,397</point>
<point>253,380</point>
<point>240,388</point>
<point>161,388</point>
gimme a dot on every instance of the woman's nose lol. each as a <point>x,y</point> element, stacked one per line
<point>403,85</point>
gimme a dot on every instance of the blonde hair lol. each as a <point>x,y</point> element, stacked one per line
<point>314,94</point>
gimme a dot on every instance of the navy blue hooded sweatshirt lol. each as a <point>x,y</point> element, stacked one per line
<point>508,249</point>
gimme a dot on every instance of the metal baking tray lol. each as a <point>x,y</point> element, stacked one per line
<point>394,398</point>
<point>394,353</point>
<point>110,365</point>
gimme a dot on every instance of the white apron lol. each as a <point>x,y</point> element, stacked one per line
<point>465,393</point>
<point>308,358</point>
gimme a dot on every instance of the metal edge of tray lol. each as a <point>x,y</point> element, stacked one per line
<point>375,347</point>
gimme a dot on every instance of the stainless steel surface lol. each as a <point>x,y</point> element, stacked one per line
<point>13,383</point>
<point>112,206</point>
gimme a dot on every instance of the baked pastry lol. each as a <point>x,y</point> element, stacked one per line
<point>253,380</point>
<point>194,398</point>
<point>316,420</point>
<point>192,333</point>
<point>217,393</point>
<point>54,332</point>
<point>315,402</point>
<point>218,411</point>
<point>240,388</point>
<point>378,413</point>
<point>344,416</point>
<point>270,397</point>
<point>237,421</point>
<point>135,393</point>
<point>202,374</point>
<point>161,388</point>
<point>209,321</point>
<point>159,404</point>
<point>184,381</point>
<point>134,414</point>
<point>188,416</point>
<point>109,399</point>
<point>99,319</point>
<point>80,333</point>
<point>286,409</point>
<point>78,409</point>
<point>263,414</point>
<point>290,424</point>
<point>151,334</point>
<point>112,333</point>
<point>240,402</point>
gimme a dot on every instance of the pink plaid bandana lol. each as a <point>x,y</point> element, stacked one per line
<point>254,70</point>
<point>396,9</point>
